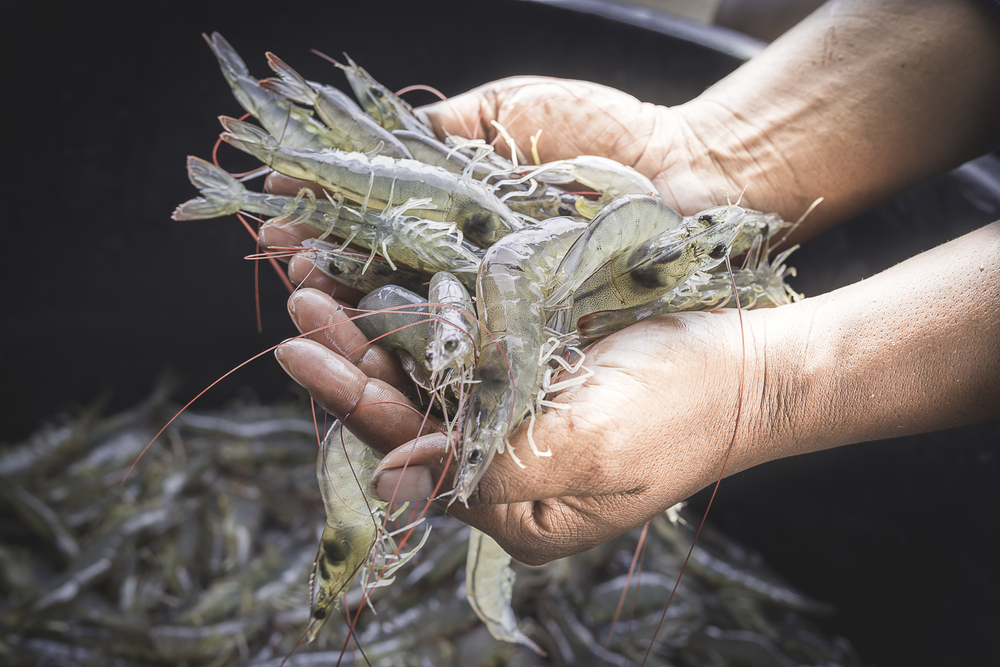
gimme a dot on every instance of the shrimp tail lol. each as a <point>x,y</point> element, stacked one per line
<point>248,139</point>
<point>232,65</point>
<point>291,85</point>
<point>221,193</point>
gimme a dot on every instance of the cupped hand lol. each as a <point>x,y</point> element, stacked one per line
<point>584,118</point>
<point>650,427</point>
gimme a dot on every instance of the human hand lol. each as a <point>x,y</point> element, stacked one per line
<point>648,429</point>
<point>583,118</point>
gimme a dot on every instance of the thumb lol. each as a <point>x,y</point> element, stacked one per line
<point>425,468</point>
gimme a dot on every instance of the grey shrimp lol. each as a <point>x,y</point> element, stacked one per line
<point>380,182</point>
<point>380,103</point>
<point>660,264</point>
<point>292,125</point>
<point>761,283</point>
<point>489,587</point>
<point>610,178</point>
<point>350,542</point>
<point>350,127</point>
<point>515,277</point>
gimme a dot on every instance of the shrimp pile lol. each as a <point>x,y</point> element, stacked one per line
<point>439,221</point>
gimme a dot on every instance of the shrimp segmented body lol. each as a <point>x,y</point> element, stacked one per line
<point>661,264</point>
<point>761,283</point>
<point>344,468</point>
<point>380,103</point>
<point>489,587</point>
<point>611,179</point>
<point>397,319</point>
<point>352,541</point>
<point>515,277</point>
<point>222,194</point>
<point>360,272</point>
<point>350,127</point>
<point>380,182</point>
<point>620,226</point>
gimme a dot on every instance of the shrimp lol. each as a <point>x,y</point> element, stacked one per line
<point>359,272</point>
<point>620,226</point>
<point>454,331</point>
<point>379,181</point>
<point>293,125</point>
<point>351,540</point>
<point>759,283</point>
<point>222,194</point>
<point>352,523</point>
<point>380,103</point>
<point>489,587</point>
<point>514,279</point>
<point>611,179</point>
<point>659,265</point>
<point>425,245</point>
<point>353,129</point>
<point>398,319</point>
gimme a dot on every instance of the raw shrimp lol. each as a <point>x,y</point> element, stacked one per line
<point>378,182</point>
<point>222,194</point>
<point>351,538</point>
<point>292,125</point>
<point>398,319</point>
<point>514,279</point>
<point>425,245</point>
<point>352,128</point>
<point>759,283</point>
<point>380,103</point>
<point>610,178</point>
<point>659,265</point>
<point>454,331</point>
<point>489,587</point>
<point>359,272</point>
<point>623,224</point>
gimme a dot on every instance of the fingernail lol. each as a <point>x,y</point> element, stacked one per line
<point>292,303</point>
<point>279,354</point>
<point>402,484</point>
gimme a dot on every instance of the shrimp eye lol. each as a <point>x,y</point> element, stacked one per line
<point>718,251</point>
<point>451,345</point>
<point>475,456</point>
<point>706,217</point>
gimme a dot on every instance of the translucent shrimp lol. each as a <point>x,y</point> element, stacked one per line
<point>350,540</point>
<point>222,194</point>
<point>360,272</point>
<point>350,127</point>
<point>292,125</point>
<point>761,283</point>
<point>661,264</point>
<point>489,587</point>
<point>380,103</point>
<point>454,332</point>
<point>621,226</point>
<point>380,182</point>
<point>514,279</point>
<point>610,178</point>
<point>398,319</point>
<point>425,245</point>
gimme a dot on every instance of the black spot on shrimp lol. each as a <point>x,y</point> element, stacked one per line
<point>480,228</point>
<point>335,552</point>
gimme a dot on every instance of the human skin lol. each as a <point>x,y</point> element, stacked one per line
<point>859,102</point>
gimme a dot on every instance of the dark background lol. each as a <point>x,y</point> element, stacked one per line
<point>106,292</point>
